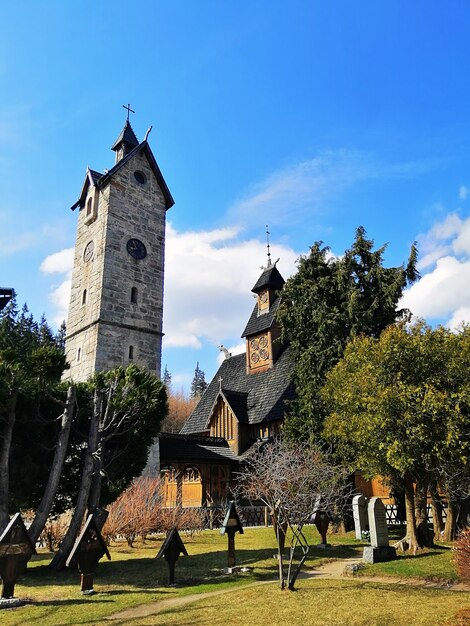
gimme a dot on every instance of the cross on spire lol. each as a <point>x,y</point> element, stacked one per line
<point>268,246</point>
<point>129,110</point>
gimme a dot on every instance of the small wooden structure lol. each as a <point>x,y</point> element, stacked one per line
<point>230,526</point>
<point>16,548</point>
<point>170,550</point>
<point>87,551</point>
<point>322,521</point>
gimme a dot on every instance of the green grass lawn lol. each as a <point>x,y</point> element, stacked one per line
<point>434,565</point>
<point>134,577</point>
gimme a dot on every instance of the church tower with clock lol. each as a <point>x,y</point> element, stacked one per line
<point>116,302</point>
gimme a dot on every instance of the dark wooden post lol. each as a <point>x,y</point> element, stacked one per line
<point>322,521</point>
<point>230,526</point>
<point>16,548</point>
<point>171,548</point>
<point>86,553</point>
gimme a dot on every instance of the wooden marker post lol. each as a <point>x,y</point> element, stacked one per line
<point>230,526</point>
<point>322,521</point>
<point>87,551</point>
<point>171,548</point>
<point>16,548</point>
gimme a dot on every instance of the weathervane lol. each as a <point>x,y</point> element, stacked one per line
<point>129,110</point>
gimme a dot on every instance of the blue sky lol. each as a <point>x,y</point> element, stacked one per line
<point>312,117</point>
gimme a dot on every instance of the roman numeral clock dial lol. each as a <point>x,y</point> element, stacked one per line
<point>136,249</point>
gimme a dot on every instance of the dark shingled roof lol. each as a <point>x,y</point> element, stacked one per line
<point>6,295</point>
<point>104,179</point>
<point>127,135</point>
<point>238,404</point>
<point>259,322</point>
<point>269,278</point>
<point>192,448</point>
<point>266,392</point>
<point>95,176</point>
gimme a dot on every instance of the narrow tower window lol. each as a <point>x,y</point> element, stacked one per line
<point>89,207</point>
<point>134,295</point>
<point>131,353</point>
<point>79,354</point>
<point>84,296</point>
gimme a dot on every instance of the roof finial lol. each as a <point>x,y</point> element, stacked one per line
<point>267,243</point>
<point>129,110</point>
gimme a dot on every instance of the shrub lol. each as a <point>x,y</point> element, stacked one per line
<point>189,520</point>
<point>54,531</point>
<point>462,554</point>
<point>136,512</point>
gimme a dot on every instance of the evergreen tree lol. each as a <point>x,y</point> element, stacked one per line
<point>167,378</point>
<point>198,384</point>
<point>60,336</point>
<point>330,300</point>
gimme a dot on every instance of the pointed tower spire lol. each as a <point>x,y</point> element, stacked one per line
<point>127,140</point>
<point>268,246</point>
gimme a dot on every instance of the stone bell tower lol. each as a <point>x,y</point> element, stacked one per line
<point>116,303</point>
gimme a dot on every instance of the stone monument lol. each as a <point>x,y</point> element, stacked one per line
<point>361,521</point>
<point>379,550</point>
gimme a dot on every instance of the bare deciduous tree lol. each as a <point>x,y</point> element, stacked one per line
<point>293,480</point>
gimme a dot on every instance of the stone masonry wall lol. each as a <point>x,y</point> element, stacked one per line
<point>109,323</point>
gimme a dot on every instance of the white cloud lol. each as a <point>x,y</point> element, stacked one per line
<point>60,263</point>
<point>286,194</point>
<point>208,281</point>
<point>443,293</point>
<point>463,192</point>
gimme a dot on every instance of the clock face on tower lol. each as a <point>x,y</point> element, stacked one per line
<point>88,252</point>
<point>136,249</point>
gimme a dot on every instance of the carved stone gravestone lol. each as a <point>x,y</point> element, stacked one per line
<point>379,550</point>
<point>171,548</point>
<point>361,520</point>
<point>322,521</point>
<point>86,553</point>
<point>16,548</point>
<point>230,526</point>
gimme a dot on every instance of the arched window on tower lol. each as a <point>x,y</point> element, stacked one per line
<point>131,353</point>
<point>84,296</point>
<point>134,295</point>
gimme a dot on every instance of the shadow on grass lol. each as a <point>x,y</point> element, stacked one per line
<point>146,574</point>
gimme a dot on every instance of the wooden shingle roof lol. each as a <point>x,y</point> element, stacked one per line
<point>265,393</point>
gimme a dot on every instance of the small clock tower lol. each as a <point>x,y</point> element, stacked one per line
<point>116,303</point>
<point>262,332</point>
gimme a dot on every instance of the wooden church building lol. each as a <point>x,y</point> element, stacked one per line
<point>244,404</point>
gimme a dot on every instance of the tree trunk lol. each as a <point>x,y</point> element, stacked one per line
<point>437,511</point>
<point>411,538</point>
<point>463,519</point>
<point>45,506</point>
<point>451,518</point>
<point>281,537</point>
<point>5,446</point>
<point>425,538</point>
<point>58,562</point>
<point>97,478</point>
